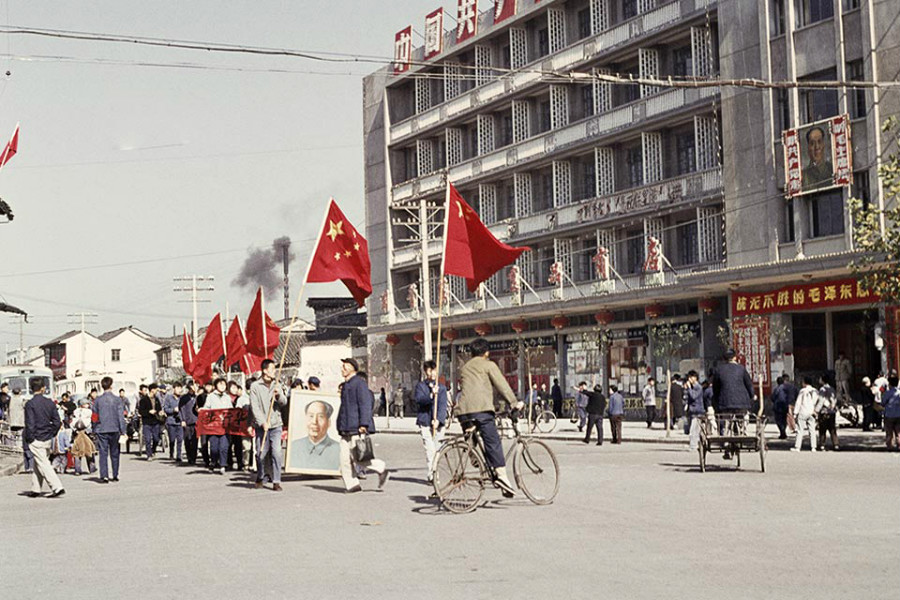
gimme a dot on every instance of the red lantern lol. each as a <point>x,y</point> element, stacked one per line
<point>604,317</point>
<point>559,322</point>
<point>450,334</point>
<point>654,311</point>
<point>708,305</point>
<point>519,325</point>
<point>392,339</point>
<point>483,328</point>
<point>419,337</point>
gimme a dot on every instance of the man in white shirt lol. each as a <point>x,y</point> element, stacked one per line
<point>649,396</point>
<point>805,414</point>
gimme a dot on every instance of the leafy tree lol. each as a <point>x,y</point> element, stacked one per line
<point>668,339</point>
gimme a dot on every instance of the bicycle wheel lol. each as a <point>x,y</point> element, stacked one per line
<point>537,471</point>
<point>459,476</point>
<point>546,421</point>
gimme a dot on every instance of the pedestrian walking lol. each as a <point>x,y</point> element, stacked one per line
<point>581,402</point>
<point>109,425</point>
<point>4,400</point>
<point>693,395</point>
<point>557,397</point>
<point>805,414</point>
<point>532,402</point>
<point>241,402</point>
<point>676,400</point>
<point>826,411</point>
<point>173,421</point>
<point>790,392</point>
<point>595,408</point>
<point>867,401</point>
<point>780,407</point>
<point>843,372</point>
<point>616,413</point>
<point>354,421</point>
<point>235,442</point>
<point>149,409</point>
<point>648,394</point>
<point>42,423</point>
<point>431,425</point>
<point>480,377</point>
<point>83,447</point>
<point>16,418</point>
<point>266,393</point>
<point>187,410</point>
<point>218,444</point>
<point>890,400</point>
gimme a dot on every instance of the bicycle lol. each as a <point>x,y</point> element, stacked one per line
<point>542,420</point>
<point>460,470</point>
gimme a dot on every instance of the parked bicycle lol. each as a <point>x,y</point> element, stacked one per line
<point>461,470</point>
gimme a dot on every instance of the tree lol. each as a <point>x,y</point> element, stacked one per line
<point>668,339</point>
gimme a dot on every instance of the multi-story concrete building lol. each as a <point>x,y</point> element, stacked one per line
<point>583,168</point>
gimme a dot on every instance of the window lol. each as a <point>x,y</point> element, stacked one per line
<point>506,57</point>
<point>506,129</point>
<point>584,23</point>
<point>683,62</point>
<point>116,355</point>
<point>542,264</point>
<point>789,221</point>
<point>686,236</point>
<point>777,17</point>
<point>634,160</point>
<point>544,194</point>
<point>861,188</point>
<point>544,116</point>
<point>782,110</point>
<point>543,42</point>
<point>856,96</point>
<point>684,151</point>
<point>587,100</point>
<point>583,267</point>
<point>634,251</point>
<point>827,213</point>
<point>813,11</point>
<point>849,4</point>
<point>817,104</point>
<point>440,153</point>
<point>506,202</point>
<point>588,178</point>
<point>629,9</point>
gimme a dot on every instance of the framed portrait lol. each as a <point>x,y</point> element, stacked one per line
<point>313,442</point>
<point>818,156</point>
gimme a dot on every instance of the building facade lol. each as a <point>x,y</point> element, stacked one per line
<point>641,203</point>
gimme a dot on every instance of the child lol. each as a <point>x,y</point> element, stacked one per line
<point>59,453</point>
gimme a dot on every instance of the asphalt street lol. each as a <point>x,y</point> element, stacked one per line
<point>630,521</point>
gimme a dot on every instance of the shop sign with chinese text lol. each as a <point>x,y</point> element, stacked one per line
<point>810,296</point>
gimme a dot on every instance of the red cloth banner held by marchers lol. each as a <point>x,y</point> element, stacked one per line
<point>223,421</point>
<point>341,253</point>
<point>472,251</point>
<point>261,332</point>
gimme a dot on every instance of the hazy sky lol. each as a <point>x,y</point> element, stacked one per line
<point>121,163</point>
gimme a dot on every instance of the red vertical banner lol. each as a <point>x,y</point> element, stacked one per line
<point>751,344</point>
<point>403,50</point>
<point>504,9</point>
<point>841,150</point>
<point>466,19</point>
<point>434,33</point>
<point>793,176</point>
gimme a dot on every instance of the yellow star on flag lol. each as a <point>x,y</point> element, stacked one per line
<point>356,247</point>
<point>337,256</point>
<point>335,229</point>
<point>348,254</point>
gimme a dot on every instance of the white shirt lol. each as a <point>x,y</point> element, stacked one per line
<point>649,395</point>
<point>806,402</point>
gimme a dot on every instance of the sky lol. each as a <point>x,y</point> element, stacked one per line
<point>175,171</point>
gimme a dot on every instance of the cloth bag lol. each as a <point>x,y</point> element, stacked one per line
<point>363,449</point>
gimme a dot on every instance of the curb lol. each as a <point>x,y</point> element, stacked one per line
<point>565,438</point>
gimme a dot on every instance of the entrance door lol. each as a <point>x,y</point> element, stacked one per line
<point>854,335</point>
<point>810,353</point>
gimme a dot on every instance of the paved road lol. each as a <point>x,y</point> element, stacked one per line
<point>633,521</point>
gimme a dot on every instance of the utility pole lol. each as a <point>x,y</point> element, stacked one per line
<point>426,278</point>
<point>20,351</point>
<point>205,282</point>
<point>83,317</point>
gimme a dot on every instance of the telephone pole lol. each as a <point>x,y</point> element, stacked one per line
<point>84,317</point>
<point>20,351</point>
<point>206,285</point>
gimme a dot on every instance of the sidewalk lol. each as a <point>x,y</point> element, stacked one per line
<point>637,431</point>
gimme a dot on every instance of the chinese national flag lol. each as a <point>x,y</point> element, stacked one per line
<point>210,351</point>
<point>236,349</point>
<point>12,146</point>
<point>187,352</point>
<point>472,251</point>
<point>342,253</point>
<point>262,332</point>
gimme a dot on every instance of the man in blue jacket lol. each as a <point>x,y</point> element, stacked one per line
<point>431,426</point>
<point>693,395</point>
<point>173,421</point>
<point>355,420</point>
<point>109,425</point>
<point>616,413</point>
<point>41,425</point>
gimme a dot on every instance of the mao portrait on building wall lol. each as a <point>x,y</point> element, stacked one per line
<point>313,446</point>
<point>818,156</point>
<point>815,148</point>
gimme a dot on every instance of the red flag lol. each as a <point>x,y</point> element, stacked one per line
<point>471,250</point>
<point>341,253</point>
<point>187,352</point>
<point>262,332</point>
<point>236,347</point>
<point>12,146</point>
<point>211,350</point>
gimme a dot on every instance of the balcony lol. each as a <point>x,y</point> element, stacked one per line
<point>586,130</point>
<point>635,29</point>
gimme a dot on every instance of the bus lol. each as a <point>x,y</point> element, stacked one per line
<point>18,376</point>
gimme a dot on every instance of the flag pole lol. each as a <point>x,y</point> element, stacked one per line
<point>293,314</point>
<point>437,368</point>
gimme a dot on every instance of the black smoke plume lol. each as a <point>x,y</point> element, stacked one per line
<point>264,267</point>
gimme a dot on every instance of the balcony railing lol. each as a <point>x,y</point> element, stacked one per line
<point>636,28</point>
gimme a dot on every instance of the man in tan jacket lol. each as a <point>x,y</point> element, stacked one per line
<point>479,378</point>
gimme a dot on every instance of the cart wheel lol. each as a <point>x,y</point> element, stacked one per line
<point>702,451</point>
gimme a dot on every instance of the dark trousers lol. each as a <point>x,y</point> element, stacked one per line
<point>557,408</point>
<point>594,420</point>
<point>827,424</point>
<point>26,451</point>
<point>615,423</point>
<point>108,444</point>
<point>235,452</point>
<point>190,443</point>
<point>484,421</point>
<point>204,449</point>
<point>651,414</point>
<point>218,448</point>
<point>781,421</point>
<point>151,437</point>
<point>176,440</point>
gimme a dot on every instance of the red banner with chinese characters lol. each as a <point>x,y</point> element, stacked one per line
<point>842,292</point>
<point>466,19</point>
<point>793,179</point>
<point>223,421</point>
<point>504,9</point>
<point>402,50</point>
<point>434,33</point>
<point>841,152</point>
<point>751,344</point>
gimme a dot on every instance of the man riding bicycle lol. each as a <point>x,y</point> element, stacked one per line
<point>478,379</point>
